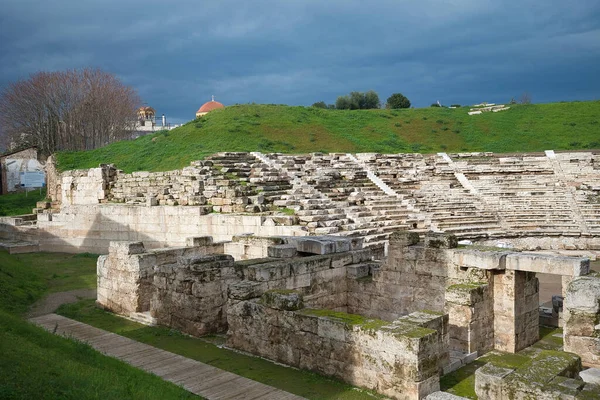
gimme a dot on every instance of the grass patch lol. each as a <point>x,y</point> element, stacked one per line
<point>302,383</point>
<point>276,128</point>
<point>20,203</point>
<point>462,381</point>
<point>38,364</point>
<point>25,278</point>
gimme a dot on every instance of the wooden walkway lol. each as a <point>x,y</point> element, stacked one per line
<point>194,376</point>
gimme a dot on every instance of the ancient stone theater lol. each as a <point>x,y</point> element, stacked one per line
<point>387,271</point>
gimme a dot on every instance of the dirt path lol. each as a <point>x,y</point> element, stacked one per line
<point>50,303</point>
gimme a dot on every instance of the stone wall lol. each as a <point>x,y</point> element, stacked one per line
<point>86,186</point>
<point>582,319</point>
<point>91,228</point>
<point>127,275</point>
<point>400,359</point>
<point>186,288</point>
<point>191,295</point>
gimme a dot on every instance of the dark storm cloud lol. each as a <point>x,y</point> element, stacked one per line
<point>177,54</point>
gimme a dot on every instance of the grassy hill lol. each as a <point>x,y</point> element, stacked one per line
<point>273,128</point>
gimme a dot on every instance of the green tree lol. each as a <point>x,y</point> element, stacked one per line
<point>358,101</point>
<point>397,100</point>
<point>342,103</point>
<point>319,104</point>
<point>372,100</point>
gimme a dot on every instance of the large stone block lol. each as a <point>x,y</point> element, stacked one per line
<point>548,264</point>
<point>287,300</point>
<point>479,259</point>
<point>466,293</point>
<point>126,248</point>
<point>583,295</point>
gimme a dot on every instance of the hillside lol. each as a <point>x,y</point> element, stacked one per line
<point>278,128</point>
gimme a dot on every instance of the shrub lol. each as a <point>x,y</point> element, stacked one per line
<point>397,100</point>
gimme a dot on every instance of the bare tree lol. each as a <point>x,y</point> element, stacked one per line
<point>69,110</point>
<point>525,98</point>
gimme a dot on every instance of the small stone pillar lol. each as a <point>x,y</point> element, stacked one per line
<point>516,310</point>
<point>470,308</point>
<point>124,278</point>
<point>582,319</point>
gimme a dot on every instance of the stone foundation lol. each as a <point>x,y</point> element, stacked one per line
<point>326,304</point>
<point>400,359</point>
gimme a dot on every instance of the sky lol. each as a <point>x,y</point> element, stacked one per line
<point>179,53</point>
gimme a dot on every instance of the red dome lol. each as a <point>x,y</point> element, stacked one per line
<point>209,106</point>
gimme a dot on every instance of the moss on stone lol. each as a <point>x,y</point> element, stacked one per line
<point>505,360</point>
<point>349,319</point>
<point>438,313</point>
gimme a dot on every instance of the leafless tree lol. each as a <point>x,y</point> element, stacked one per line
<point>68,110</point>
<point>525,98</point>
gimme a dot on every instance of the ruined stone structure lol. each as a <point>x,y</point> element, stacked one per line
<point>528,201</point>
<point>234,243</point>
<point>13,164</point>
<point>327,304</point>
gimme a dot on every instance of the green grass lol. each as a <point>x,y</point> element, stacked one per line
<point>38,364</point>
<point>302,383</point>
<point>272,128</point>
<point>462,381</point>
<point>25,278</point>
<point>20,203</point>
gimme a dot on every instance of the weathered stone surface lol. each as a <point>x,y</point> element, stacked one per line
<point>315,246</point>
<point>581,311</point>
<point>591,375</point>
<point>570,266</point>
<point>199,241</point>
<point>443,396</point>
<point>282,251</point>
<point>583,295</point>
<point>488,381</point>
<point>283,300</point>
<point>480,259</point>
<point>401,359</point>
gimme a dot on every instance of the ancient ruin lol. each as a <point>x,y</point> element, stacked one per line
<point>350,264</point>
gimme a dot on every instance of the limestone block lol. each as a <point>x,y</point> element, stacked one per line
<point>586,347</point>
<point>443,396</point>
<point>589,391</point>
<point>126,248</point>
<point>401,239</point>
<point>548,264</point>
<point>466,293</point>
<point>580,323</point>
<point>440,241</point>
<point>198,241</point>
<point>488,381</point>
<point>356,271</point>
<point>583,295</point>
<point>479,259</point>
<point>315,246</point>
<point>282,251</point>
<point>591,375</point>
<point>331,329</point>
<point>283,300</point>
<point>340,260</point>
